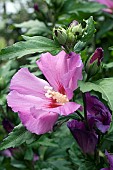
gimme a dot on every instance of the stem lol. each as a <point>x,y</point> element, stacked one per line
<point>78,113</point>
<point>97,158</point>
<point>85,106</point>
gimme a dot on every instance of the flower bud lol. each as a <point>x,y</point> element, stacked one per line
<point>73,24</point>
<point>99,112</point>
<point>60,35</point>
<point>73,32</point>
<point>76,28</point>
<point>71,38</point>
<point>36,7</point>
<point>86,139</point>
<point>94,62</point>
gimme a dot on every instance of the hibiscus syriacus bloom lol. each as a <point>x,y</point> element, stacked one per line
<point>108,3</point>
<point>38,102</point>
<point>99,112</point>
<point>110,160</point>
<point>86,138</point>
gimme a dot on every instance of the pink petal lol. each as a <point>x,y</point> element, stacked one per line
<point>74,74</point>
<point>22,103</point>
<point>69,108</point>
<point>62,71</point>
<point>40,124</point>
<point>66,109</point>
<point>70,81</point>
<point>25,82</point>
<point>53,67</point>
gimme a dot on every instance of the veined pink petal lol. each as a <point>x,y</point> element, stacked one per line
<point>40,124</point>
<point>69,108</point>
<point>53,67</point>
<point>62,71</point>
<point>70,80</point>
<point>22,103</point>
<point>65,109</point>
<point>25,82</point>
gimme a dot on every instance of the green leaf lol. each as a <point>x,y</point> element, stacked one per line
<point>34,27</point>
<point>29,154</point>
<point>106,27</point>
<point>111,48</point>
<point>104,86</point>
<point>108,65</point>
<point>87,35</point>
<point>79,46</point>
<point>47,142</point>
<point>87,7</point>
<point>32,45</point>
<point>18,136</point>
<point>18,164</point>
<point>107,140</point>
<point>89,29</point>
<point>29,24</point>
<point>78,159</point>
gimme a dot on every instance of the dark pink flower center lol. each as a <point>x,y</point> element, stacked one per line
<point>56,98</point>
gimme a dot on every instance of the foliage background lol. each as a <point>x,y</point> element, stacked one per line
<point>58,150</point>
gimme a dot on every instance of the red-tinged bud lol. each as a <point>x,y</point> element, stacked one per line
<point>93,64</point>
<point>97,56</point>
<point>36,8</point>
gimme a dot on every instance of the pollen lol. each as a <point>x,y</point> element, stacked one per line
<point>60,98</point>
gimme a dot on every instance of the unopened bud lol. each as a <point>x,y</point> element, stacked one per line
<point>94,62</point>
<point>75,28</point>
<point>74,32</point>
<point>36,7</point>
<point>71,38</point>
<point>60,35</point>
<point>73,24</point>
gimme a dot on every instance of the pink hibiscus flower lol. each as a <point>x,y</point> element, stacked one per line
<point>108,3</point>
<point>38,102</point>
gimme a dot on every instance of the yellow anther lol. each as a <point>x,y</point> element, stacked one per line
<point>60,98</point>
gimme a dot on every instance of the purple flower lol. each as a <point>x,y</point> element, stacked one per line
<point>99,112</point>
<point>85,138</point>
<point>110,160</point>
<point>108,3</point>
<point>39,102</point>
